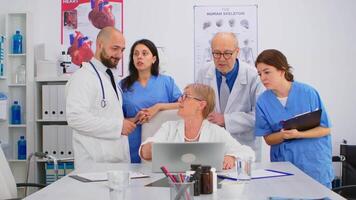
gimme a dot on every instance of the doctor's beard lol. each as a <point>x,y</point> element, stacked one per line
<point>108,61</point>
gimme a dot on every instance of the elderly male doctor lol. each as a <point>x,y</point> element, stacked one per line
<point>94,105</point>
<point>236,86</point>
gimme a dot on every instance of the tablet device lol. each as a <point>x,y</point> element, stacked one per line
<point>303,122</point>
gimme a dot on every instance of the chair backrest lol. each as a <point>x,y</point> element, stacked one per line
<point>8,188</point>
<point>349,191</point>
<point>151,127</point>
<point>349,164</point>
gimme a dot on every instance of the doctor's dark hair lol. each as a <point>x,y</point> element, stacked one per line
<point>275,59</point>
<point>133,73</point>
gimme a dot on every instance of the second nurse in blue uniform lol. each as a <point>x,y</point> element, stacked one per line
<point>285,98</point>
<point>145,90</point>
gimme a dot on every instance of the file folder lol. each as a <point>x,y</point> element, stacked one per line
<point>61,102</point>
<point>53,102</point>
<point>50,141</point>
<point>46,139</point>
<point>45,102</point>
<point>69,144</point>
<point>61,137</point>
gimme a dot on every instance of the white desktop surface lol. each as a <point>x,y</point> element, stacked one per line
<point>297,186</point>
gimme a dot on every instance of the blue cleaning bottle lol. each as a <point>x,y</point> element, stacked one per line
<point>21,148</point>
<point>17,43</point>
<point>16,113</point>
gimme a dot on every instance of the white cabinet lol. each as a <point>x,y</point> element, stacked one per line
<point>52,134</point>
<point>15,91</point>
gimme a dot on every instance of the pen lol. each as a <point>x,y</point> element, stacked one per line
<point>285,173</point>
<point>165,171</point>
<point>227,177</point>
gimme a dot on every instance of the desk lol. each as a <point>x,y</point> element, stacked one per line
<point>299,185</point>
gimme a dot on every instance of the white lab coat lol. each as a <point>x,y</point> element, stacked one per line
<point>240,108</point>
<point>96,130</point>
<point>7,181</point>
<point>173,131</point>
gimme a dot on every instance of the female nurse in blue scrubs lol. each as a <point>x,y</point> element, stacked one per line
<point>145,91</point>
<point>285,98</point>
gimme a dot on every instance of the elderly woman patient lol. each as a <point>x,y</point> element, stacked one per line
<point>195,104</point>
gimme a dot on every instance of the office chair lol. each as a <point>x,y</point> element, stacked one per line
<point>348,191</point>
<point>348,164</point>
<point>8,189</point>
<point>151,127</point>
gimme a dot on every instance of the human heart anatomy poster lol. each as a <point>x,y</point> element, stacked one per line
<point>81,22</point>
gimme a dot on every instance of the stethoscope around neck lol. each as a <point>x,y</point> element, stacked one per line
<point>103,101</point>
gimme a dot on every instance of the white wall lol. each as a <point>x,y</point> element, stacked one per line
<point>317,36</point>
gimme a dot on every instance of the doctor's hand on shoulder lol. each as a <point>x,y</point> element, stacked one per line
<point>217,118</point>
<point>127,127</point>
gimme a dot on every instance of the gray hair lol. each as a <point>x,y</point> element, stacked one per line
<point>224,34</point>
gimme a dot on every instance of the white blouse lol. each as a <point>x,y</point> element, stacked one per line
<point>173,131</point>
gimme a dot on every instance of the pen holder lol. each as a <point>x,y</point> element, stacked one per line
<point>181,191</point>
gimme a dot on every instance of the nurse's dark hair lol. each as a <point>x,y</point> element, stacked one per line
<point>133,73</point>
<point>275,59</point>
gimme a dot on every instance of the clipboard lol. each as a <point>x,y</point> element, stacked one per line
<point>303,122</point>
<point>258,174</point>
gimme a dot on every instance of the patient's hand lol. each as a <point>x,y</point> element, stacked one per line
<point>152,111</point>
<point>229,162</point>
<point>146,151</point>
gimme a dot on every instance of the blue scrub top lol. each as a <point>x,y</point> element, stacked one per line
<point>314,155</point>
<point>159,89</point>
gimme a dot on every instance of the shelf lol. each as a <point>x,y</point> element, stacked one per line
<point>17,85</point>
<point>53,79</point>
<point>71,159</point>
<point>3,77</point>
<point>16,160</point>
<point>51,120</point>
<point>17,125</point>
<point>16,54</point>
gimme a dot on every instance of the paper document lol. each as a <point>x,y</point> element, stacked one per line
<point>97,177</point>
<point>256,174</point>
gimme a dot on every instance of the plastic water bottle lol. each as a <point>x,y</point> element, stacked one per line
<point>17,43</point>
<point>2,55</point>
<point>20,76</point>
<point>16,113</point>
<point>21,148</point>
<point>3,106</point>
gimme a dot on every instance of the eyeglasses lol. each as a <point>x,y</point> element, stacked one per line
<point>185,96</point>
<point>226,54</point>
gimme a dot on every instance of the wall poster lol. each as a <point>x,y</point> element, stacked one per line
<point>208,20</point>
<point>81,21</point>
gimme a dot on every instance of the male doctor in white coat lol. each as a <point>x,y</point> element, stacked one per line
<point>236,95</point>
<point>94,105</point>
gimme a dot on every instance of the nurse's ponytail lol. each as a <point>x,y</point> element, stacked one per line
<point>276,59</point>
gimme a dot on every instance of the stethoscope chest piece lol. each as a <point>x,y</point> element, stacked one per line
<point>103,103</point>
